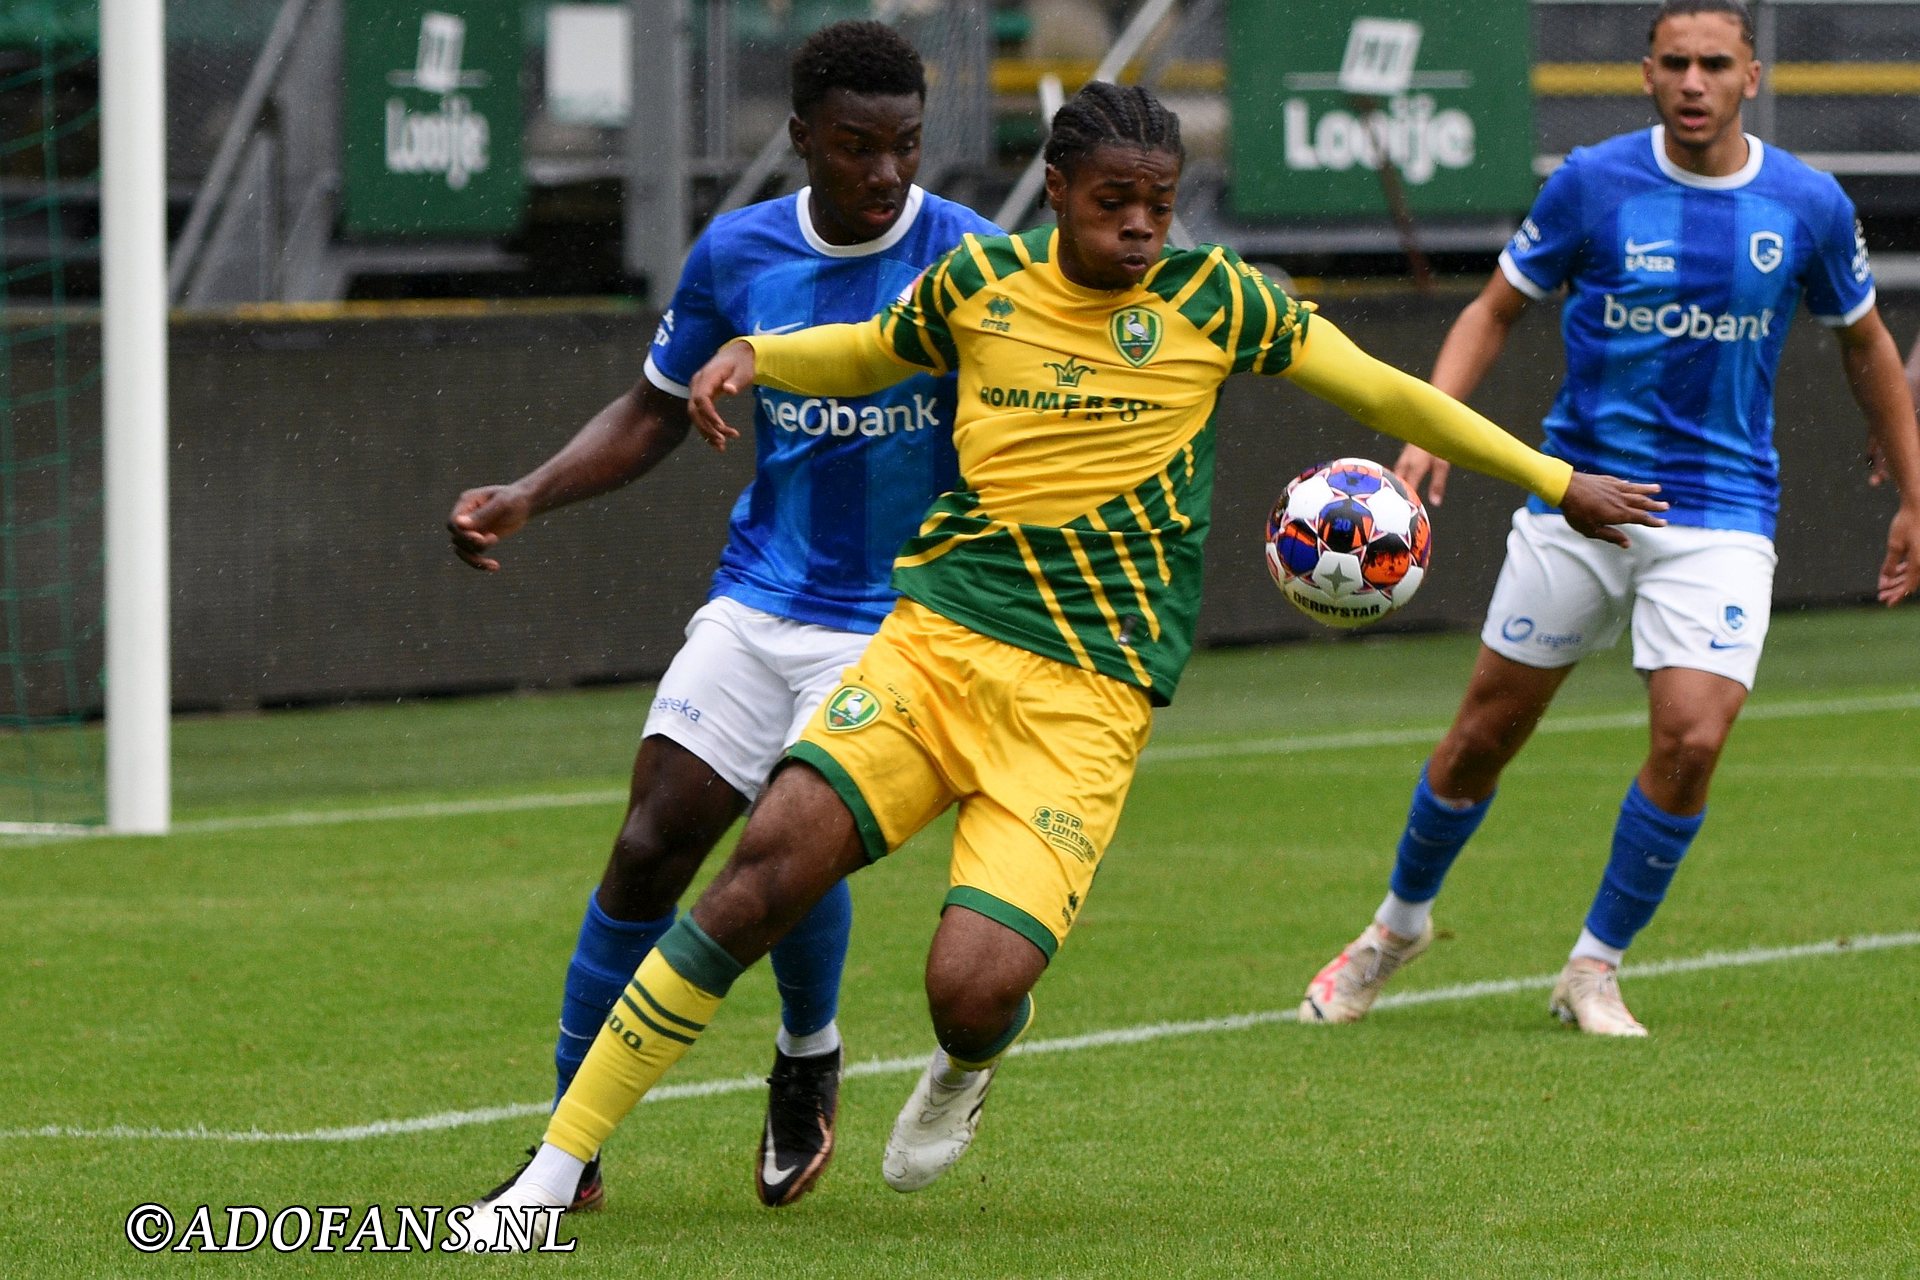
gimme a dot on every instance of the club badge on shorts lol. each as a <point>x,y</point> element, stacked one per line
<point>850,708</point>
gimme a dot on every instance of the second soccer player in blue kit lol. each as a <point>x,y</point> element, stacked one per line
<point>1685,249</point>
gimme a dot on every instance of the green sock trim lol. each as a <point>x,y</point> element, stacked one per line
<point>872,839</point>
<point>1007,914</point>
<point>1014,1031</point>
<point>698,958</point>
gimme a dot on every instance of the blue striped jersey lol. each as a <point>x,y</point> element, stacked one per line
<point>838,485</point>
<point>1679,292</point>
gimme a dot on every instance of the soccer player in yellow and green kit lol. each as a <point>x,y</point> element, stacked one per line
<point>1047,605</point>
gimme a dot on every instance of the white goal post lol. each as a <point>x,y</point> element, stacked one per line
<point>133,257</point>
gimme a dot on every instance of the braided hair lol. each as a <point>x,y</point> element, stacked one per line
<point>1104,114</point>
<point>860,57</point>
<point>1734,9</point>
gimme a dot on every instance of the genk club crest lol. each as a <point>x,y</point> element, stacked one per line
<point>850,708</point>
<point>1136,334</point>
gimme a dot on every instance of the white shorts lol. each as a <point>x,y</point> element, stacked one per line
<point>745,684</point>
<point>1699,598</point>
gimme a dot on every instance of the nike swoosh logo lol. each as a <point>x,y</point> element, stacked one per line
<point>770,1171</point>
<point>760,330</point>
<point>1717,643</point>
<point>1648,247</point>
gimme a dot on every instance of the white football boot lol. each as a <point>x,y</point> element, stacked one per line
<point>937,1125</point>
<point>1346,988</point>
<point>515,1219</point>
<point>1588,996</point>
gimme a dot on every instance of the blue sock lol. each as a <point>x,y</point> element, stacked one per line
<point>1648,844</point>
<point>604,959</point>
<point>808,961</point>
<point>1435,834</point>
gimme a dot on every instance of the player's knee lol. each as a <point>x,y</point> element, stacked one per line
<point>1687,754</point>
<point>968,1015</point>
<point>972,1001</point>
<point>1478,744</point>
<point>645,845</point>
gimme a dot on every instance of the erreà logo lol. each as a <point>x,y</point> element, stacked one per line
<point>850,708</point>
<point>1136,334</point>
<point>451,141</point>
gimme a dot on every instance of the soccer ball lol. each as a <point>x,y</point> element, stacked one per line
<point>1348,543</point>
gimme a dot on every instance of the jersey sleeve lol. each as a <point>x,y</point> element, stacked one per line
<point>1267,326</point>
<point>1401,405</point>
<point>828,360</point>
<point>914,328</point>
<point>692,329</point>
<point>1839,278</point>
<point>1540,257</point>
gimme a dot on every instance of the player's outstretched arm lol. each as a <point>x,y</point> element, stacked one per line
<point>1474,341</point>
<point>618,445</point>
<point>1330,366</point>
<point>1879,385</point>
<point>826,360</point>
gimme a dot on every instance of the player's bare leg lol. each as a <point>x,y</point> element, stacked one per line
<point>800,842</point>
<point>677,810</point>
<point>1502,706</point>
<point>980,975</point>
<point>1690,717</point>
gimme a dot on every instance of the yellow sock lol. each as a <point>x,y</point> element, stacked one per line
<point>659,1016</point>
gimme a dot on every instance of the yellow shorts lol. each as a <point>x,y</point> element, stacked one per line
<point>1037,754</point>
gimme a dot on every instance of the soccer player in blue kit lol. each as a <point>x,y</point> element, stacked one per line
<point>838,486</point>
<point>1685,249</point>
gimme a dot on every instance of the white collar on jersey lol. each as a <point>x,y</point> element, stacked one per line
<point>895,234</point>
<point>1725,182</point>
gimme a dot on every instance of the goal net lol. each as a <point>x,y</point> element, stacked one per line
<point>52,752</point>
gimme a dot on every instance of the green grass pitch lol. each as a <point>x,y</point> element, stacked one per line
<point>289,969</point>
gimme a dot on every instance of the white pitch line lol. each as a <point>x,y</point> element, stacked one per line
<point>1566,724</point>
<point>1176,754</point>
<point>908,1066</point>
<point>51,833</point>
<point>387,813</point>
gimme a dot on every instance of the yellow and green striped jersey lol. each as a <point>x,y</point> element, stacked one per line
<point>1085,438</point>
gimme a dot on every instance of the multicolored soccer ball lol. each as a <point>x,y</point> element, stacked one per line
<point>1348,543</point>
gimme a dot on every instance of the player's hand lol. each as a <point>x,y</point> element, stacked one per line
<point>728,374</point>
<point>1900,571</point>
<point>1416,466</point>
<point>1594,505</point>
<point>481,517</point>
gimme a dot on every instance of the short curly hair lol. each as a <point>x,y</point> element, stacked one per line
<point>1685,8</point>
<point>1104,114</point>
<point>860,57</point>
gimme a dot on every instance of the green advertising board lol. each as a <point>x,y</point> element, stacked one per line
<point>1318,89</point>
<point>431,117</point>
